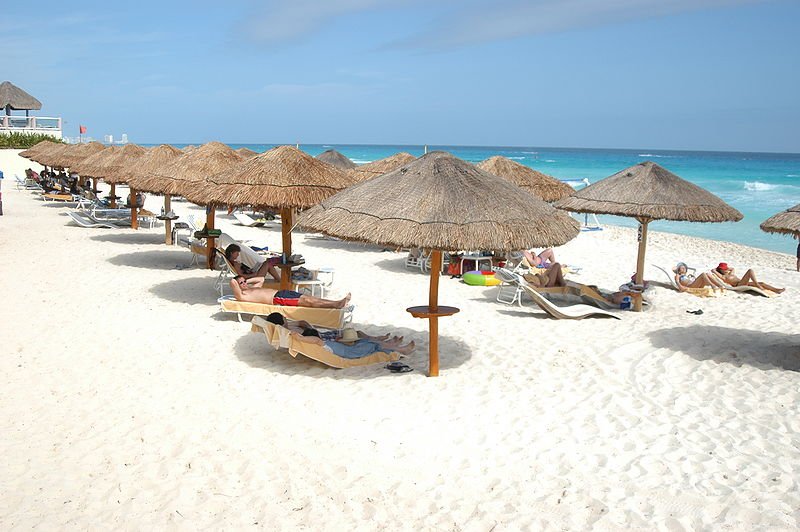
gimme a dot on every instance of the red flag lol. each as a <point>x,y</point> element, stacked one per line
<point>83,129</point>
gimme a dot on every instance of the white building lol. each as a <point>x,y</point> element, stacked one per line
<point>12,98</point>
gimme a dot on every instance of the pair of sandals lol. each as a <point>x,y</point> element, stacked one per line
<point>398,367</point>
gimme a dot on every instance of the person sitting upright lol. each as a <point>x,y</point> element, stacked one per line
<point>748,279</point>
<point>289,298</point>
<point>551,276</point>
<point>685,280</point>
<point>542,260</point>
<point>232,253</point>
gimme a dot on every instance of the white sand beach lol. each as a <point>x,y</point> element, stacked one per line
<point>130,401</point>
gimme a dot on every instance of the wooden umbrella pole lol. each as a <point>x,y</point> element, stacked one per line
<point>167,222</point>
<point>637,301</point>
<point>113,196</point>
<point>210,239</point>
<point>134,214</point>
<point>433,308</point>
<point>94,185</point>
<point>286,237</point>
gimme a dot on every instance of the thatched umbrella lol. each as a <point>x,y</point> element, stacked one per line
<point>246,152</point>
<point>153,161</point>
<point>282,178</point>
<point>12,97</point>
<point>94,165</point>
<point>52,156</point>
<point>381,166</point>
<point>334,158</point>
<point>540,185</point>
<point>188,172</point>
<point>109,171</point>
<point>785,222</point>
<point>648,192</point>
<point>34,150</point>
<point>440,202</point>
<point>79,152</point>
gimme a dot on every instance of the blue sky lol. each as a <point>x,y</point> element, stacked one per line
<point>677,74</point>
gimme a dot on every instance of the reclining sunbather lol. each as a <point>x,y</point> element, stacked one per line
<point>684,280</point>
<point>351,346</point>
<point>551,276</point>
<point>542,260</point>
<point>289,298</point>
<point>232,253</point>
<point>299,326</point>
<point>749,278</point>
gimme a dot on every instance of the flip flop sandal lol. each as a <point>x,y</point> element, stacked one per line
<point>398,367</point>
<point>696,312</point>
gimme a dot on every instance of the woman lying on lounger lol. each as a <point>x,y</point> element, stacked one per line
<point>748,279</point>
<point>684,280</point>
<point>351,346</point>
<point>232,253</point>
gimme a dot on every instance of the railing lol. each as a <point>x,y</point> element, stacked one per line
<point>29,122</point>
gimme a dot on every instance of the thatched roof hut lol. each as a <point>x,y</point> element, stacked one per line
<point>78,152</point>
<point>152,162</point>
<point>190,170</point>
<point>649,191</point>
<point>122,157</point>
<point>441,202</point>
<point>51,155</point>
<point>381,166</point>
<point>12,97</point>
<point>334,158</point>
<point>281,177</point>
<point>785,222</point>
<point>246,152</point>
<point>94,165</point>
<point>39,148</point>
<point>540,185</point>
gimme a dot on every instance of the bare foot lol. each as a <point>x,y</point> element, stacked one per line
<point>344,301</point>
<point>406,349</point>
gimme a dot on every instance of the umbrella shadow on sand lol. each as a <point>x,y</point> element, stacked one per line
<point>131,238</point>
<point>255,350</point>
<point>191,291</point>
<point>763,350</point>
<point>153,260</point>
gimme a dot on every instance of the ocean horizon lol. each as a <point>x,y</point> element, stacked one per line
<point>758,184</point>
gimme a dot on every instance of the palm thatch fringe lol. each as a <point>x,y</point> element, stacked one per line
<point>786,222</point>
<point>540,185</point>
<point>281,177</point>
<point>441,202</point>
<point>649,191</point>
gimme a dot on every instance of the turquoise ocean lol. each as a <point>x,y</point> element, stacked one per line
<point>757,184</point>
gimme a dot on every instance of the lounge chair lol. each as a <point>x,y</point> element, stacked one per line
<point>187,224</point>
<point>85,220</point>
<point>246,220</point>
<point>573,312</point>
<point>227,272</point>
<point>63,198</point>
<point>280,337</point>
<point>744,288</point>
<point>329,318</point>
<point>510,291</point>
<point>706,291</point>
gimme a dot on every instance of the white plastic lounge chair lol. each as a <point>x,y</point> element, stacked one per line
<point>280,337</point>
<point>86,221</point>
<point>186,224</point>
<point>246,220</point>
<point>511,290</point>
<point>573,312</point>
<point>330,318</point>
<point>699,292</point>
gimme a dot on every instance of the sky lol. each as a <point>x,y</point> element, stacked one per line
<point>676,74</point>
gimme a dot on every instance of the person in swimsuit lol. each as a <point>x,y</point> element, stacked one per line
<point>299,326</point>
<point>232,253</point>
<point>684,280</point>
<point>542,260</point>
<point>749,278</point>
<point>243,292</point>
<point>551,276</point>
<point>357,348</point>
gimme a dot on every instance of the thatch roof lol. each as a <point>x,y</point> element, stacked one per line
<point>16,98</point>
<point>94,165</point>
<point>246,152</point>
<point>540,185</point>
<point>281,177</point>
<point>51,155</point>
<point>441,202</point>
<point>38,148</point>
<point>187,149</point>
<point>124,157</point>
<point>336,159</point>
<point>652,192</point>
<point>152,162</point>
<point>785,222</point>
<point>78,152</point>
<point>191,169</point>
<point>381,166</point>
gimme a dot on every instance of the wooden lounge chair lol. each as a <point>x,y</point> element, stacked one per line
<point>86,221</point>
<point>64,198</point>
<point>330,318</point>
<point>573,312</point>
<point>280,337</point>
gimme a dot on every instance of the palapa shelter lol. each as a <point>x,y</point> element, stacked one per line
<point>540,185</point>
<point>52,156</point>
<point>109,169</point>
<point>785,222</point>
<point>439,202</point>
<point>381,166</point>
<point>12,97</point>
<point>153,161</point>
<point>188,172</point>
<point>334,158</point>
<point>246,152</point>
<point>648,192</point>
<point>78,152</point>
<point>37,148</point>
<point>283,178</point>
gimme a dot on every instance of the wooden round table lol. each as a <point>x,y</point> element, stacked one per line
<point>433,315</point>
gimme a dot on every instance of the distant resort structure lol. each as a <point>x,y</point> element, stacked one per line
<point>12,98</point>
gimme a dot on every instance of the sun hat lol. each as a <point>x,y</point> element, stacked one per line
<point>723,267</point>
<point>349,336</point>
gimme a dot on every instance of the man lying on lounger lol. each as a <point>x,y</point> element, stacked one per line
<point>288,298</point>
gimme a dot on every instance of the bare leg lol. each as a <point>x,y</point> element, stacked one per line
<point>749,278</point>
<point>532,259</point>
<point>702,281</point>
<point>548,255</point>
<point>554,276</point>
<point>316,302</point>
